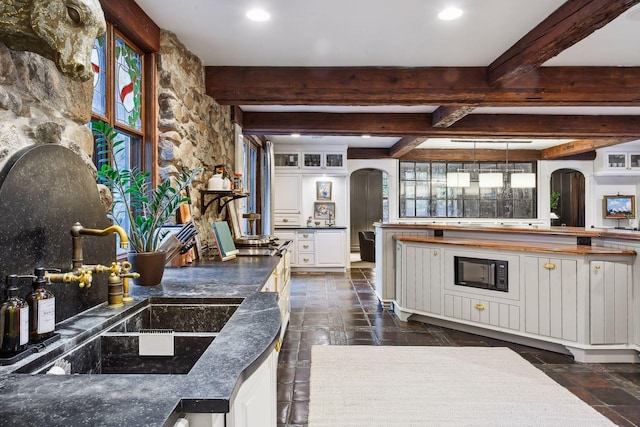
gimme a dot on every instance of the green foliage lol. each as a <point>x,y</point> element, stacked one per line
<point>554,200</point>
<point>146,209</point>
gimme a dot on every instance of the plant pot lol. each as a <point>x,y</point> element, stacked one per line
<point>150,266</point>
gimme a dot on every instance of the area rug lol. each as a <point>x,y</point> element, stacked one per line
<point>368,386</point>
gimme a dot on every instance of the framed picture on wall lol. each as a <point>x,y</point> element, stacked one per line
<point>324,210</point>
<point>323,190</point>
<point>618,207</point>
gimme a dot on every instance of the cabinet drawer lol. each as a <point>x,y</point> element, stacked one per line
<point>306,246</point>
<point>492,313</point>
<point>306,235</point>
<point>286,220</point>
<point>306,259</point>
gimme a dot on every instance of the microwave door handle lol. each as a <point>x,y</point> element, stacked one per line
<point>492,276</point>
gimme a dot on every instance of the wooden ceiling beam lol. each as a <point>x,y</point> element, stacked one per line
<point>418,125</point>
<point>404,146</point>
<point>445,116</point>
<point>570,23</point>
<point>133,22</point>
<point>368,153</point>
<point>576,147</point>
<point>484,155</point>
<point>427,86</point>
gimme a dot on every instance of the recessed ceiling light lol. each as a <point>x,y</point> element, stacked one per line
<point>450,13</point>
<point>259,15</point>
<point>295,135</point>
<point>366,136</point>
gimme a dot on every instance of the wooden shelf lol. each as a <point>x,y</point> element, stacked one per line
<point>222,196</point>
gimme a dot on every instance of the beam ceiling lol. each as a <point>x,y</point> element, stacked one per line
<point>515,79</point>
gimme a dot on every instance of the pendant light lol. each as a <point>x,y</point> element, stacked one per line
<point>492,179</point>
<point>521,179</point>
<point>461,179</point>
<point>458,179</point>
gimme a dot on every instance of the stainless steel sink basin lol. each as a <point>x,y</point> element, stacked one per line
<point>194,324</point>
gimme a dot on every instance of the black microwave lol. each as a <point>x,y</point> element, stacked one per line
<point>482,273</point>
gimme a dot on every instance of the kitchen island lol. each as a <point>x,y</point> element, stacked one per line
<point>567,290</point>
<point>248,342</point>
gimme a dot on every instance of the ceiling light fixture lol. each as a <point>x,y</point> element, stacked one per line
<point>366,136</point>
<point>295,135</point>
<point>258,15</point>
<point>450,13</point>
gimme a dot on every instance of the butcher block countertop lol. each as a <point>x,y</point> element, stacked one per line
<point>603,233</point>
<point>540,247</point>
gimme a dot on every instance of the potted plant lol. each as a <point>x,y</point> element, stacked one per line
<point>554,203</point>
<point>138,208</point>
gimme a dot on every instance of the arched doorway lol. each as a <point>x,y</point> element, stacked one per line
<point>567,186</point>
<point>366,200</point>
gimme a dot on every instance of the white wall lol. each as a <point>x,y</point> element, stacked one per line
<point>339,196</point>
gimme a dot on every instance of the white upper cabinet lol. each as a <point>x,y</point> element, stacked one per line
<point>307,159</point>
<point>618,163</point>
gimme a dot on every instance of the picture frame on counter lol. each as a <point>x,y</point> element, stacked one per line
<point>323,190</point>
<point>324,210</point>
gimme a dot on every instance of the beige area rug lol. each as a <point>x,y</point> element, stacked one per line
<point>362,386</point>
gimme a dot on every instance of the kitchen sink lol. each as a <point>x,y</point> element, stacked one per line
<point>190,324</point>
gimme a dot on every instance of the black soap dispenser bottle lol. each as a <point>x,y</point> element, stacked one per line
<point>14,321</point>
<point>42,309</point>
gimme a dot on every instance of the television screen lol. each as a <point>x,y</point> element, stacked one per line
<point>619,207</point>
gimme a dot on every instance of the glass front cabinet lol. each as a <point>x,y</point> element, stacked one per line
<point>287,160</point>
<point>321,160</point>
<point>622,161</point>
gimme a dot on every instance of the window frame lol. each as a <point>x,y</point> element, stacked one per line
<point>452,202</point>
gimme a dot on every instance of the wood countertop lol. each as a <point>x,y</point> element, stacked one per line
<point>606,233</point>
<point>519,246</point>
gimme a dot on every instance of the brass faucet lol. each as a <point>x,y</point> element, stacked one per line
<point>77,231</point>
<point>119,273</point>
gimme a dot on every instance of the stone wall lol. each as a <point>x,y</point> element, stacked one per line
<point>193,129</point>
<point>38,105</point>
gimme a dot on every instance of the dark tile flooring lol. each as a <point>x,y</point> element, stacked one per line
<point>342,309</point>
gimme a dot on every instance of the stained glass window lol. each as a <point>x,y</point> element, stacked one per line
<point>128,85</point>
<point>118,99</point>
<point>99,64</point>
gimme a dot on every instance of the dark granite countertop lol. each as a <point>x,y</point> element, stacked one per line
<point>154,399</point>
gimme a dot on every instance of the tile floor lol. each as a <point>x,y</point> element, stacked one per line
<point>342,309</point>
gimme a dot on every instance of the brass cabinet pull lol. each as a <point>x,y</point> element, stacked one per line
<point>279,344</point>
<point>480,307</point>
<point>285,220</point>
<point>435,253</point>
<point>597,266</point>
<point>305,246</point>
<point>306,259</point>
<point>549,266</point>
<point>305,235</point>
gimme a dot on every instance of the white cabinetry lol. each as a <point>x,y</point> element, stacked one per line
<point>319,249</point>
<point>419,276</point>
<point>287,160</point>
<point>324,160</point>
<point>551,296</point>
<point>618,162</point>
<point>610,296</point>
<point>287,200</point>
<point>488,311</point>
<point>255,403</point>
<point>306,248</point>
<point>295,158</point>
<point>330,248</point>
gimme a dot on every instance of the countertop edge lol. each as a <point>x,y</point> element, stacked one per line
<point>539,247</point>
